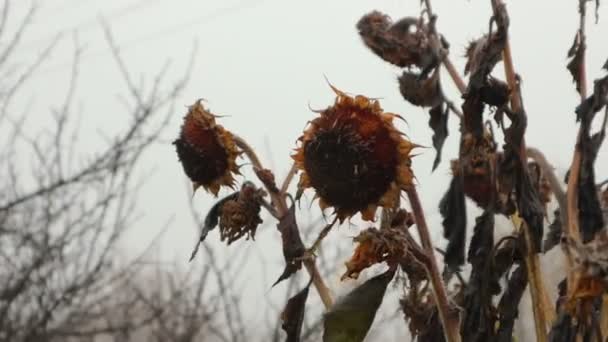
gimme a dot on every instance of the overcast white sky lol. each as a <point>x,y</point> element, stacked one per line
<point>262,62</point>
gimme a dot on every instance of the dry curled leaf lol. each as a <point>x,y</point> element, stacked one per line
<point>404,43</point>
<point>576,53</point>
<point>293,315</point>
<point>376,246</point>
<point>438,121</point>
<point>293,248</point>
<point>452,208</point>
<point>507,310</point>
<point>420,312</point>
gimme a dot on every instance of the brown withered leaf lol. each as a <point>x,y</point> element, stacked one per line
<point>605,66</point>
<point>211,220</point>
<point>591,216</point>
<point>472,108</point>
<point>293,315</point>
<point>376,246</point>
<point>514,176</point>
<point>421,314</point>
<point>554,235</point>
<point>404,43</point>
<point>293,248</point>
<point>507,307</point>
<point>576,53</point>
<point>478,323</point>
<point>454,212</point>
<point>267,177</point>
<point>438,122</point>
<point>421,90</point>
<point>483,54</point>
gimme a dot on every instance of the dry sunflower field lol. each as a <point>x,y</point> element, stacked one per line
<point>357,163</point>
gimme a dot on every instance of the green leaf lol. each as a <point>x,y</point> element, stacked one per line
<point>350,318</point>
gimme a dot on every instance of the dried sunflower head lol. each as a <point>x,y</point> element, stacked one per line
<point>354,157</point>
<point>206,150</point>
<point>241,216</point>
<point>376,246</point>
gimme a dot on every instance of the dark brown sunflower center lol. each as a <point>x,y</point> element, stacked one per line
<point>203,158</point>
<point>345,170</point>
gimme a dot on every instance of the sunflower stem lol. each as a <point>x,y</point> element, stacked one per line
<point>443,56</point>
<point>280,204</point>
<point>542,317</point>
<point>449,319</point>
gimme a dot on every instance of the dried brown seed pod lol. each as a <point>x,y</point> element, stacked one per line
<point>206,150</point>
<point>354,157</point>
<point>376,246</point>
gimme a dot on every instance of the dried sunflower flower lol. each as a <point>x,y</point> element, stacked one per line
<point>206,150</point>
<point>376,246</point>
<point>474,166</point>
<point>354,157</point>
<point>241,216</point>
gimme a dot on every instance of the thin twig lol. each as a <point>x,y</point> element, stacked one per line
<point>280,204</point>
<point>449,319</point>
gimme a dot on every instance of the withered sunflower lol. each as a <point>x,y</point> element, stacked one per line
<point>206,150</point>
<point>354,157</point>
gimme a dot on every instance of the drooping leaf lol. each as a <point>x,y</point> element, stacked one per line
<point>576,53</point>
<point>508,305</point>
<point>438,122</point>
<point>554,235</point>
<point>421,90</point>
<point>293,315</point>
<point>515,176</point>
<point>351,317</point>
<point>591,218</point>
<point>404,43</point>
<point>478,324</point>
<point>452,208</point>
<point>605,66</point>
<point>211,220</point>
<point>293,248</point>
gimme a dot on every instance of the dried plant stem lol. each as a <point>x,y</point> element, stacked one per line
<point>285,185</point>
<point>543,315</point>
<point>604,316</point>
<point>575,167</point>
<point>449,319</point>
<point>280,204</point>
<point>445,60</point>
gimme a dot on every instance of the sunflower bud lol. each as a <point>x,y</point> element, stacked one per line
<point>206,150</point>
<point>354,157</point>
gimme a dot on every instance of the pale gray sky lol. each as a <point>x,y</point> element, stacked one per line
<point>262,62</point>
